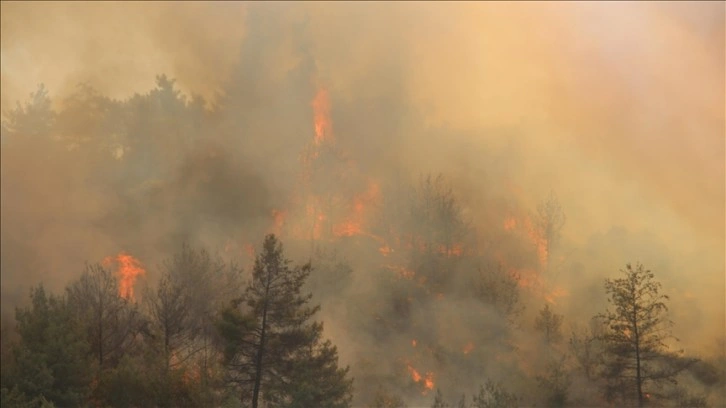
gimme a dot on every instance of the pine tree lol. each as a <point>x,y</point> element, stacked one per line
<point>50,363</point>
<point>273,351</point>
<point>636,355</point>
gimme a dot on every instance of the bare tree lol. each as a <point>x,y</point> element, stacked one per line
<point>111,321</point>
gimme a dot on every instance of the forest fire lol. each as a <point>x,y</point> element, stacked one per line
<point>354,224</point>
<point>321,110</point>
<point>468,348</point>
<point>427,381</point>
<point>129,268</point>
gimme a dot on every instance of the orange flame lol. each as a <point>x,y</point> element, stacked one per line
<point>354,224</point>
<point>129,268</point>
<point>413,343</point>
<point>468,348</point>
<point>323,124</point>
<point>427,381</point>
<point>415,376</point>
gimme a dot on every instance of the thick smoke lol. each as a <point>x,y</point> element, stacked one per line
<point>618,108</point>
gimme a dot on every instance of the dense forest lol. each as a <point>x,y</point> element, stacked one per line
<point>281,244</point>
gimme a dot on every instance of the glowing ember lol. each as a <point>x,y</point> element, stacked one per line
<point>468,348</point>
<point>129,268</point>
<point>323,124</point>
<point>427,381</point>
<point>415,376</point>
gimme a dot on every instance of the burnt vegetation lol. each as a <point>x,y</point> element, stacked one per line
<point>386,293</point>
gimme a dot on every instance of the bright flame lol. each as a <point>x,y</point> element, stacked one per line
<point>413,342</point>
<point>353,225</point>
<point>468,348</point>
<point>323,124</point>
<point>427,381</point>
<point>129,268</point>
<point>415,376</point>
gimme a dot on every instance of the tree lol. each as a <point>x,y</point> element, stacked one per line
<point>385,399</point>
<point>549,324</point>
<point>554,384</point>
<point>500,289</point>
<point>549,221</point>
<point>492,395</point>
<point>111,321</point>
<point>636,355</point>
<point>182,309</point>
<point>272,350</point>
<point>439,400</point>
<point>50,363</point>
<point>35,119</point>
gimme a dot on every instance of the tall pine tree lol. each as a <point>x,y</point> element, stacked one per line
<point>273,350</point>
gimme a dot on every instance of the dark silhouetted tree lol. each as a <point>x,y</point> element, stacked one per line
<point>550,325</point>
<point>637,358</point>
<point>272,350</point>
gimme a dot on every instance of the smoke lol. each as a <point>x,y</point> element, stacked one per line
<point>618,108</point>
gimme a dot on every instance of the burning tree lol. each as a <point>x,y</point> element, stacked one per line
<point>637,360</point>
<point>111,321</point>
<point>272,350</point>
<point>549,222</point>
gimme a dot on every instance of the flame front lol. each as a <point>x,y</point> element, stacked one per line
<point>129,268</point>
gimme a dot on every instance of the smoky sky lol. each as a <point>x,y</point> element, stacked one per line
<point>617,107</point>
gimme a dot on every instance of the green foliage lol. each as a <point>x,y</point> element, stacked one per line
<point>50,360</point>
<point>272,350</point>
